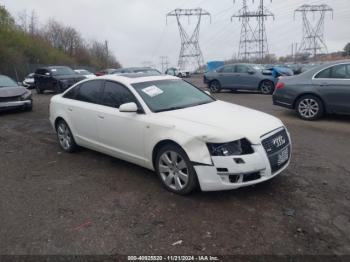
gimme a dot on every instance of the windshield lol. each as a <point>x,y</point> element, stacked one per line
<point>62,71</point>
<point>7,82</point>
<point>167,95</point>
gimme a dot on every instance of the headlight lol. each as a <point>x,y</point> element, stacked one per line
<point>236,148</point>
<point>26,95</point>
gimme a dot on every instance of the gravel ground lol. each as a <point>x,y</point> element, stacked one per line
<point>88,203</point>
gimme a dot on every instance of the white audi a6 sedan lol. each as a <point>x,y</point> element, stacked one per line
<point>172,127</point>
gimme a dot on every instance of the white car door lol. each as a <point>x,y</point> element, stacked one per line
<point>121,134</point>
<point>83,112</point>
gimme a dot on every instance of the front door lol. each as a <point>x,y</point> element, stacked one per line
<point>121,134</point>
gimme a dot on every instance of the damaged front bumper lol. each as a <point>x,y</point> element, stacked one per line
<point>233,172</point>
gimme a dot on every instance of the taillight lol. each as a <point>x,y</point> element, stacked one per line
<point>280,85</point>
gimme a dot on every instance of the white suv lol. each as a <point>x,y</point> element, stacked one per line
<point>170,126</point>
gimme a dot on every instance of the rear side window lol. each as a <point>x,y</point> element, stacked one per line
<point>89,92</point>
<point>226,69</point>
<point>71,94</point>
<point>115,95</point>
<point>339,71</point>
<point>335,72</point>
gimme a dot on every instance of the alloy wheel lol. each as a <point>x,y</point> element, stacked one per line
<point>266,87</point>
<point>214,87</point>
<point>173,170</point>
<point>64,136</point>
<point>308,108</point>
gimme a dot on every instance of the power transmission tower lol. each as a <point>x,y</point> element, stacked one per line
<point>191,56</point>
<point>247,44</point>
<point>164,62</point>
<point>313,41</point>
<point>253,42</point>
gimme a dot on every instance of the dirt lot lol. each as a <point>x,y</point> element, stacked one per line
<point>89,203</point>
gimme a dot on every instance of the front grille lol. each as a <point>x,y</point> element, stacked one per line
<point>10,99</point>
<point>277,148</point>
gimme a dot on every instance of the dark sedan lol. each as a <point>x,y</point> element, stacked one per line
<point>320,90</point>
<point>14,96</point>
<point>240,77</point>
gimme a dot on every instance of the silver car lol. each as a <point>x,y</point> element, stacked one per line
<point>240,77</point>
<point>14,96</point>
<point>320,90</point>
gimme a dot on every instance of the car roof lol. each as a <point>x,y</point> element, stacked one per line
<point>137,78</point>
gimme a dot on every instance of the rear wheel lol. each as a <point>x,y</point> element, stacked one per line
<point>267,87</point>
<point>309,108</point>
<point>175,170</point>
<point>65,137</point>
<point>215,86</point>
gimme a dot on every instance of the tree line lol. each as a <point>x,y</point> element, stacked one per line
<point>24,41</point>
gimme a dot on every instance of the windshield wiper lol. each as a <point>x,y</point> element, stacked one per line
<point>170,109</point>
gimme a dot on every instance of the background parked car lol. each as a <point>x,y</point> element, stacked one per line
<point>240,77</point>
<point>322,89</point>
<point>83,72</point>
<point>137,70</point>
<point>55,78</point>
<point>109,71</point>
<point>14,96</point>
<point>177,72</point>
<point>28,82</point>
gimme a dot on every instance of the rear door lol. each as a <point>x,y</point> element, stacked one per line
<point>121,134</point>
<point>83,111</point>
<point>226,76</point>
<point>333,84</point>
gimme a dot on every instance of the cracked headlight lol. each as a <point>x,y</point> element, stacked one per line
<point>236,148</point>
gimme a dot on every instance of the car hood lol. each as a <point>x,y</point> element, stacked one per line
<point>221,122</point>
<point>12,91</point>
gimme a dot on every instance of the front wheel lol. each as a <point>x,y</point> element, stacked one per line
<point>267,87</point>
<point>309,108</point>
<point>175,170</point>
<point>215,86</point>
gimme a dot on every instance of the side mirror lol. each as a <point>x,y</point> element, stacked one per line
<point>128,108</point>
<point>208,93</point>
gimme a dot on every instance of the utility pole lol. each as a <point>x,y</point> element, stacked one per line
<point>191,56</point>
<point>164,62</point>
<point>253,43</point>
<point>313,41</point>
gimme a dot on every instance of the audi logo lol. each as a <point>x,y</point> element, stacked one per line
<point>279,141</point>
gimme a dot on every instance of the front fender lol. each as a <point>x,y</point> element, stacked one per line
<point>195,147</point>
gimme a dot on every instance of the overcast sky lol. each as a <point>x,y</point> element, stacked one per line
<point>137,30</point>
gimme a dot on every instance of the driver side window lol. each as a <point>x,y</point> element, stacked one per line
<point>115,95</point>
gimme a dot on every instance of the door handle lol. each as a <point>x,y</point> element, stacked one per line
<point>101,117</point>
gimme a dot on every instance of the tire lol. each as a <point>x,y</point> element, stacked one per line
<point>267,87</point>
<point>29,108</point>
<point>175,170</point>
<point>65,137</point>
<point>309,108</point>
<point>215,86</point>
<point>38,90</point>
